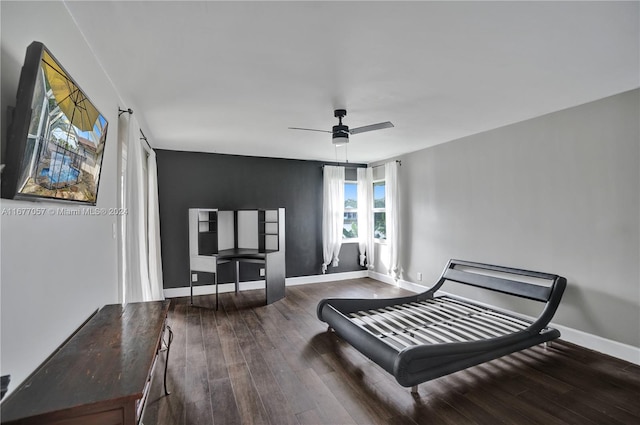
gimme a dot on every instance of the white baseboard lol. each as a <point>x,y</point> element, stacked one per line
<point>409,286</point>
<point>330,277</point>
<point>184,291</point>
<point>612,348</point>
<point>260,284</point>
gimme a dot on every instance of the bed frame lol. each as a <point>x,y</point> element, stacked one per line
<point>425,336</point>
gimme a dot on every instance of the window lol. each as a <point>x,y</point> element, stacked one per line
<point>379,213</point>
<point>350,225</point>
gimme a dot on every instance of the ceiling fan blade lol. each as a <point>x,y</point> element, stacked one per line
<point>308,129</point>
<point>379,126</point>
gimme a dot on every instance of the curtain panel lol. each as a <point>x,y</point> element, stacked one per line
<point>140,232</point>
<point>332,215</point>
<point>365,216</point>
<point>392,216</point>
<point>153,214</point>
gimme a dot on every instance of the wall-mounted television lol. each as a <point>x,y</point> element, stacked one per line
<point>56,136</point>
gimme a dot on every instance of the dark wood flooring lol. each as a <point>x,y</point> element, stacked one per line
<point>248,363</point>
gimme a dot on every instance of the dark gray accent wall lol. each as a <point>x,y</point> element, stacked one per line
<point>204,180</point>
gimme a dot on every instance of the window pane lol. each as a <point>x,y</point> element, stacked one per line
<point>350,195</point>
<point>350,226</point>
<point>379,225</point>
<point>378,194</point>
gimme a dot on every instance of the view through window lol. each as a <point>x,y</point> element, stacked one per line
<point>350,225</point>
<point>379,213</point>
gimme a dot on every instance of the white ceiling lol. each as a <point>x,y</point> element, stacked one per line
<point>230,77</point>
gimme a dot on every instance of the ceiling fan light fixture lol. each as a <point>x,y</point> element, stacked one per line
<point>340,135</point>
<point>340,139</point>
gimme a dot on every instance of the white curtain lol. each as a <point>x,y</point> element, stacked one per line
<point>392,216</point>
<point>140,234</point>
<point>365,216</point>
<point>155,258</point>
<point>332,215</point>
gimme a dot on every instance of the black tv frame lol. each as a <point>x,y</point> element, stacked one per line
<point>16,142</point>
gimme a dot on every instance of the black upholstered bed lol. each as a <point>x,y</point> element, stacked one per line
<point>424,336</point>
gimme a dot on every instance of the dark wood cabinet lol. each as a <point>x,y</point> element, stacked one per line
<point>99,376</point>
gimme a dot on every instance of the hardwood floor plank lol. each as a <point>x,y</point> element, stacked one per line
<point>591,408</point>
<point>400,420</point>
<point>214,355</point>
<point>435,410</point>
<point>505,391</point>
<point>231,352</point>
<point>473,411</point>
<point>177,320</point>
<point>329,409</point>
<point>223,402</point>
<point>198,413</point>
<point>356,400</point>
<point>568,414</point>
<point>248,400</point>
<point>545,382</point>
<point>198,405</point>
<point>298,397</point>
<point>498,407</point>
<point>295,346</point>
<point>309,417</point>
<point>196,366</point>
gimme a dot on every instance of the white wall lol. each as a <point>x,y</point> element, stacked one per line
<point>55,270</point>
<point>559,194</point>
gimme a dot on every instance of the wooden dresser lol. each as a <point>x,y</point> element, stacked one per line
<point>99,376</point>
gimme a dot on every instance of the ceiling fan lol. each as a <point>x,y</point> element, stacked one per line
<point>340,133</point>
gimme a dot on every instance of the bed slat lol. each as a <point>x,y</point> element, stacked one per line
<point>440,320</point>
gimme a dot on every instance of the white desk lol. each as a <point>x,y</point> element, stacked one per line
<point>254,236</point>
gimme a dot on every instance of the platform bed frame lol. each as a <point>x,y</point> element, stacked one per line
<point>428,335</point>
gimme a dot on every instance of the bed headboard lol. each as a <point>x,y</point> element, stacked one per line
<point>537,286</point>
<point>502,279</point>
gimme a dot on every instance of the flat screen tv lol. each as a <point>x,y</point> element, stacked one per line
<point>56,136</point>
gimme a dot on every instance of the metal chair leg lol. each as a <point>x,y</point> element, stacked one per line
<point>191,286</point>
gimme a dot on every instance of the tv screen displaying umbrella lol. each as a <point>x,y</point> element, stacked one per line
<point>56,136</point>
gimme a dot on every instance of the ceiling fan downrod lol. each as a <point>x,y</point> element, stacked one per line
<point>340,133</point>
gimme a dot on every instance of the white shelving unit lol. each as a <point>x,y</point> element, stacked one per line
<point>223,236</point>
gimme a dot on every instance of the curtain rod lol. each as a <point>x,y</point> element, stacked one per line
<point>130,112</point>
<point>381,165</point>
<point>348,165</point>
<point>145,139</point>
<point>345,165</point>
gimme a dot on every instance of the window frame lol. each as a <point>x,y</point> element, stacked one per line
<point>375,210</point>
